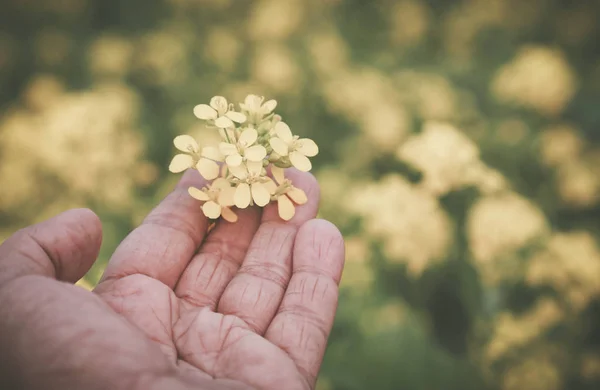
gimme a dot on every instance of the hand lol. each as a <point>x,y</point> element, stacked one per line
<point>247,305</point>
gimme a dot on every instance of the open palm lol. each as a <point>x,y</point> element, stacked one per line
<point>246,305</point>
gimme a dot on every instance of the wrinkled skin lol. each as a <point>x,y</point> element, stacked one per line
<point>245,306</point>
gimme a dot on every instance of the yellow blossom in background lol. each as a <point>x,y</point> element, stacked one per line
<point>443,154</point>
<point>498,226</point>
<point>570,263</point>
<point>539,78</point>
<point>560,144</point>
<point>512,331</point>
<point>414,229</point>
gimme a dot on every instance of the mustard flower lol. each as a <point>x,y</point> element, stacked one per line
<point>245,149</point>
<point>217,198</point>
<point>285,144</point>
<point>282,190</point>
<point>251,179</point>
<point>204,161</point>
<point>256,110</point>
<point>220,112</point>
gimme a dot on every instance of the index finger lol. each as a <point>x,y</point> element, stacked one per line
<point>163,245</point>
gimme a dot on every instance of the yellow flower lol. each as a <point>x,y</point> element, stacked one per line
<point>285,144</point>
<point>218,198</point>
<point>244,149</point>
<point>219,111</point>
<point>251,186</point>
<point>205,162</point>
<point>255,109</point>
<point>282,190</point>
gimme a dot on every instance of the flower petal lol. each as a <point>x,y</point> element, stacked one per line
<point>307,147</point>
<point>198,194</point>
<point>240,171</point>
<point>300,161</point>
<point>208,168</point>
<point>228,215</point>
<point>211,209</point>
<point>226,196</point>
<point>286,208</point>
<point>269,106</point>
<point>186,143</point>
<point>204,111</point>
<point>242,195</point>
<point>219,103</point>
<point>279,146</point>
<point>271,186</point>
<point>180,163</point>
<point>223,122</point>
<point>227,149</point>
<point>248,137</point>
<point>283,131</point>
<point>278,174</point>
<point>212,153</point>
<point>220,183</point>
<point>255,153</point>
<point>236,116</point>
<point>260,194</point>
<point>297,195</point>
<point>254,167</point>
<point>234,160</point>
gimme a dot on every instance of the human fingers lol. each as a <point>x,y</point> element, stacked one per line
<point>255,292</point>
<point>162,246</point>
<point>63,247</point>
<point>305,317</point>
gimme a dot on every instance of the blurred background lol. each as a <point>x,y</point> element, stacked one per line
<point>460,157</point>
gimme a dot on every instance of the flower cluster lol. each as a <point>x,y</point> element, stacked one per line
<point>254,141</point>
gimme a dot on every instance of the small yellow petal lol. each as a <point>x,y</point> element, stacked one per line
<point>271,186</point>
<point>185,143</point>
<point>260,194</point>
<point>180,163</point>
<point>208,168</point>
<point>219,103</point>
<point>223,122</point>
<point>228,215</point>
<point>279,146</point>
<point>211,209</point>
<point>234,160</point>
<point>204,111</point>
<point>242,196</point>
<point>278,174</point>
<point>220,183</point>
<point>226,196</point>
<point>240,171</point>
<point>198,194</point>
<point>300,161</point>
<point>227,149</point>
<point>269,106</point>
<point>297,195</point>
<point>248,137</point>
<point>283,131</point>
<point>286,208</point>
<point>254,167</point>
<point>212,153</point>
<point>255,153</point>
<point>236,116</point>
<point>307,147</point>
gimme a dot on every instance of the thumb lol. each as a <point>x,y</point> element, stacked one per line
<point>63,247</point>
